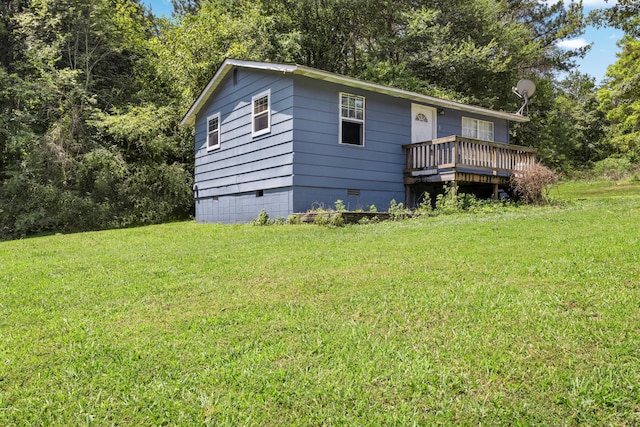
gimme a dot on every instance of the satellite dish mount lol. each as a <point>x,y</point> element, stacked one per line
<point>525,90</point>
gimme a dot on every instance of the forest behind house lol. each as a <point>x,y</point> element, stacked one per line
<point>92,91</point>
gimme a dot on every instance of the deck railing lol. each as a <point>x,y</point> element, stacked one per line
<point>459,152</point>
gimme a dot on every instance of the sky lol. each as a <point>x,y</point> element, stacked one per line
<point>600,56</point>
<point>603,44</point>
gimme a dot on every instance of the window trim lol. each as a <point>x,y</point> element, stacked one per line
<point>477,123</point>
<point>209,118</point>
<point>351,120</point>
<point>266,130</point>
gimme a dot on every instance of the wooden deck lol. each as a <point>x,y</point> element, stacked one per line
<point>458,159</point>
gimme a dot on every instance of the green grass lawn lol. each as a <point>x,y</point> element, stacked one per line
<point>523,317</point>
<point>589,189</point>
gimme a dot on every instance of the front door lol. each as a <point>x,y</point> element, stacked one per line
<point>423,123</point>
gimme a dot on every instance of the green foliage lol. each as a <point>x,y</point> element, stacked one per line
<point>424,207</point>
<point>450,202</point>
<point>262,219</point>
<point>369,220</point>
<point>86,144</point>
<point>328,218</point>
<point>397,210</point>
<point>336,220</point>
<point>447,202</point>
<point>620,100</point>
<point>294,219</point>
<point>623,14</point>
<point>566,125</point>
<point>188,50</point>
<point>464,50</point>
<point>340,207</point>
<point>321,218</point>
<point>614,168</point>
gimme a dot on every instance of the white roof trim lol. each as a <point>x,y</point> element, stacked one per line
<point>228,64</point>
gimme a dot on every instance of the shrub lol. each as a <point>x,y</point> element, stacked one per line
<point>294,219</point>
<point>336,220</point>
<point>263,219</point>
<point>447,202</point>
<point>366,220</point>
<point>321,218</point>
<point>533,184</point>
<point>613,168</point>
<point>280,220</point>
<point>340,207</point>
<point>397,211</point>
<point>424,208</point>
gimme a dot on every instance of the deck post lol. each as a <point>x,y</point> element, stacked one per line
<point>454,188</point>
<point>494,196</point>
<point>407,195</point>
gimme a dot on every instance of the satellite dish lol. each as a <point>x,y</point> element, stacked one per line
<point>524,89</point>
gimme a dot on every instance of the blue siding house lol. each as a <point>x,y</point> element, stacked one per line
<point>288,138</point>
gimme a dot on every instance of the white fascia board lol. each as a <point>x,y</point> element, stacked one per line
<point>190,117</point>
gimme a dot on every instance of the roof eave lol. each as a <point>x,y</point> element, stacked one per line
<point>190,117</point>
<point>228,64</point>
<point>400,93</point>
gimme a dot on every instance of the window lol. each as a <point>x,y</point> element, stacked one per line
<point>421,117</point>
<point>478,129</point>
<point>213,132</point>
<point>261,113</point>
<point>351,119</point>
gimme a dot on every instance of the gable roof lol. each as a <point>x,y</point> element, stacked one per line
<point>228,65</point>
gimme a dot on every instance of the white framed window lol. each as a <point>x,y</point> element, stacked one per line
<point>478,129</point>
<point>261,113</point>
<point>352,108</point>
<point>213,132</point>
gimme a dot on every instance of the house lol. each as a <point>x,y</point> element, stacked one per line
<point>288,138</point>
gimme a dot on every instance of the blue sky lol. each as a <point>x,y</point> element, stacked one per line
<point>602,54</point>
<point>603,44</point>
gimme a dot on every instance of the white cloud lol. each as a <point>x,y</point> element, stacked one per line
<point>573,43</point>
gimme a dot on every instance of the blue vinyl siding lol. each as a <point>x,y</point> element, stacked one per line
<point>324,169</point>
<point>243,163</point>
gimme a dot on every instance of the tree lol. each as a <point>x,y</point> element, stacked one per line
<point>620,100</point>
<point>184,7</point>
<point>84,144</point>
<point>188,50</point>
<point>577,102</point>
<point>623,14</point>
<point>468,50</point>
